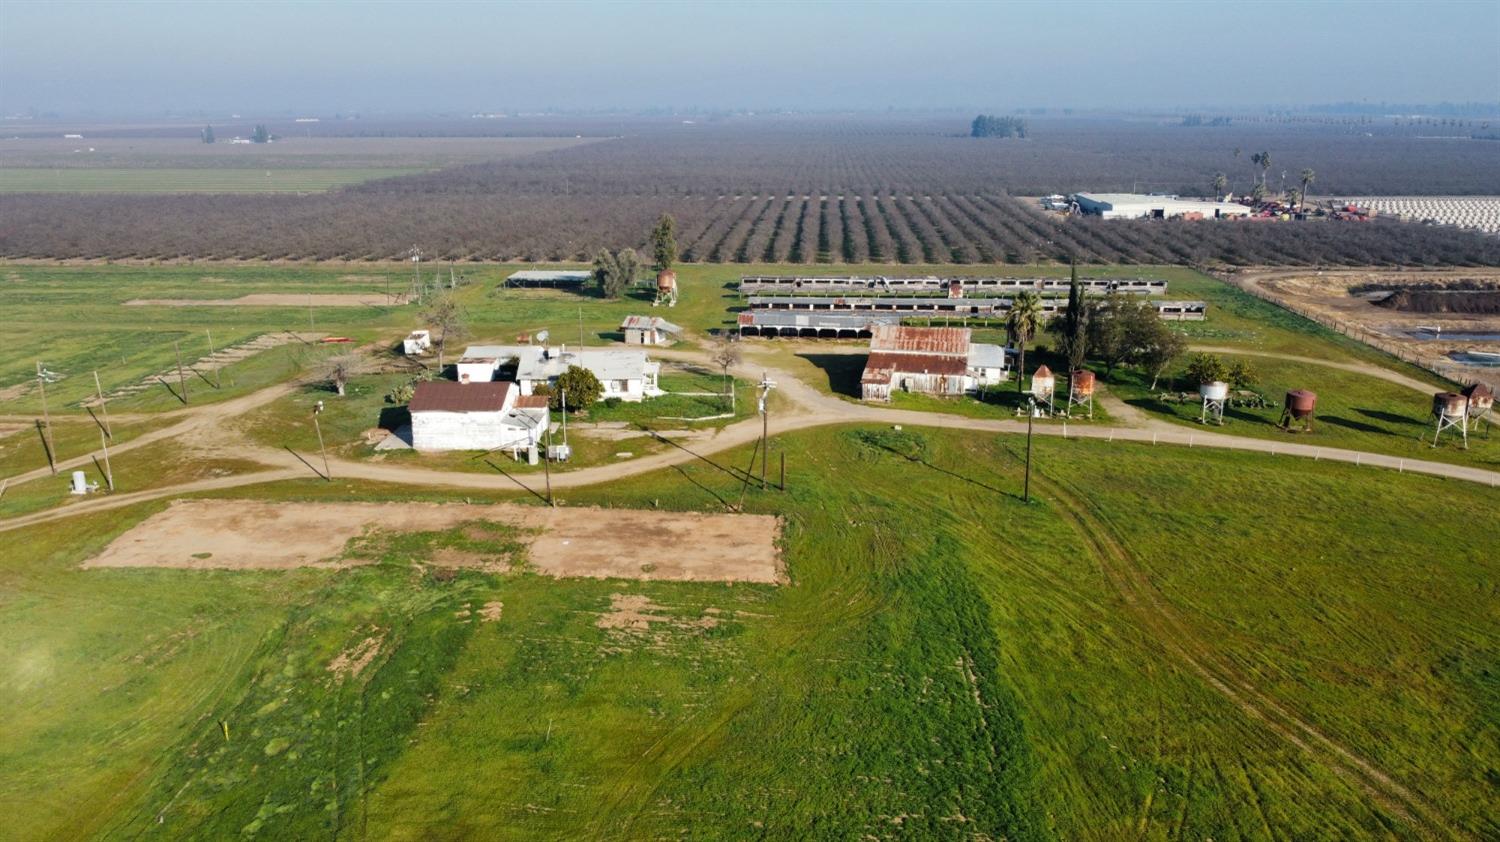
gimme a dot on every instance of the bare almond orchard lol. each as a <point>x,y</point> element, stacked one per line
<point>564,542</point>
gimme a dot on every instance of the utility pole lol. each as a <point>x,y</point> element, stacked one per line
<point>580,328</point>
<point>547,466</point>
<point>103,406</point>
<point>310,325</point>
<point>181,378</point>
<point>41,382</point>
<point>109,475</point>
<point>211,352</point>
<point>766,385</point>
<point>1030,413</point>
<point>327,474</point>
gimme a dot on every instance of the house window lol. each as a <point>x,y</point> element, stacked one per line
<point>622,385</point>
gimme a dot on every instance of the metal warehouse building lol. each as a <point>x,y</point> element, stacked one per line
<point>1142,206</point>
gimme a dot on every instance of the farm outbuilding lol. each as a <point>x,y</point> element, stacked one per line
<point>812,325</point>
<point>482,363</point>
<point>649,330</point>
<point>416,343</point>
<point>475,416</point>
<point>1143,206</point>
<point>928,360</point>
<point>548,278</point>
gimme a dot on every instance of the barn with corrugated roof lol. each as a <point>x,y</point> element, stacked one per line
<point>928,360</point>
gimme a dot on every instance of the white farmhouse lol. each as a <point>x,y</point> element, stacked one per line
<point>476,416</point>
<point>627,375</point>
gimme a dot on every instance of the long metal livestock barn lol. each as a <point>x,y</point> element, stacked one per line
<point>813,325</point>
<point>966,308</point>
<point>751,284</point>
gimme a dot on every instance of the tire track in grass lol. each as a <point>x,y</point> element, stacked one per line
<point>1142,599</point>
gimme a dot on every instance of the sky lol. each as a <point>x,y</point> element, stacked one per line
<point>149,58</point>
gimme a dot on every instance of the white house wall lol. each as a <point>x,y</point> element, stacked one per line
<point>436,430</point>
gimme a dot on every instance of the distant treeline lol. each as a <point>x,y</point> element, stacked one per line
<point>988,125</point>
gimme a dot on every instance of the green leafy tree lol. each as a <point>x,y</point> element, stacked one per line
<point>581,386</point>
<point>1206,368</point>
<point>1242,375</point>
<point>1221,184</point>
<point>1023,320</point>
<point>207,134</point>
<point>1072,329</point>
<point>664,243</point>
<point>615,272</point>
<point>261,134</point>
<point>1264,160</point>
<point>1160,345</point>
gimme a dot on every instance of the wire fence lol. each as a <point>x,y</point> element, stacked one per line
<point>1376,340</point>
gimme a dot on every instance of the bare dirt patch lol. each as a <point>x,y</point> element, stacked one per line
<point>273,299</point>
<point>491,612</point>
<point>352,661</point>
<point>564,542</point>
<point>636,613</point>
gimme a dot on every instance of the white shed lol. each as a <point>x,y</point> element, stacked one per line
<point>649,330</point>
<point>417,342</point>
<point>475,416</point>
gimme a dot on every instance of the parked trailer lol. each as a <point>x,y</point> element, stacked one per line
<point>961,308</point>
<point>752,284</point>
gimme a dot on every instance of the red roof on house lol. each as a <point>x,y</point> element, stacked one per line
<point>447,396</point>
<point>904,339</point>
<point>532,401</point>
<point>918,363</point>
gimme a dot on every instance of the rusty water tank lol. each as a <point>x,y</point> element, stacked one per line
<point>1082,382</point>
<point>666,280</point>
<point>1480,397</point>
<point>1215,391</point>
<point>1301,403</point>
<point>1043,384</point>
<point>1449,405</point>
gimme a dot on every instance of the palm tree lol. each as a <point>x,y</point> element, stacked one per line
<point>1023,320</point>
<point>1264,159</point>
<point>1221,183</point>
<point>1308,176</point>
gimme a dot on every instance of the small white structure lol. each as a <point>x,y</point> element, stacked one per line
<point>1214,395</point>
<point>81,485</point>
<point>1142,206</point>
<point>627,375</point>
<point>476,416</point>
<point>1043,389</point>
<point>987,364</point>
<point>482,363</point>
<point>649,330</point>
<point>417,343</point>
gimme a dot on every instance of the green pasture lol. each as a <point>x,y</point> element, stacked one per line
<point>965,666</point>
<point>195,180</point>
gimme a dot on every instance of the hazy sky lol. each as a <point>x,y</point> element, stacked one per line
<point>272,57</point>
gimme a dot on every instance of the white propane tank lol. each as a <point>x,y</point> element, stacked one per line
<point>80,483</point>
<point>1215,391</point>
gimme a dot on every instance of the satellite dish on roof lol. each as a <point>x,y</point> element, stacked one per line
<point>541,337</point>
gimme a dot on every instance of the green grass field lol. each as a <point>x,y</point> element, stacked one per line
<point>199,180</point>
<point>970,669</point>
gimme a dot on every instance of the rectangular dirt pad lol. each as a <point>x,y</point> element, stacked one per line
<point>593,543</point>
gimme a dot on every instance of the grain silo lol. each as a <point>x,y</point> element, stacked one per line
<point>1298,407</point>
<point>1451,411</point>
<point>666,288</point>
<point>1481,405</point>
<point>1081,391</point>
<point>1043,387</point>
<point>1214,396</point>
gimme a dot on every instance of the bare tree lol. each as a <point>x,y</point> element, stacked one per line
<point>726,354</point>
<point>447,317</point>
<point>338,370</point>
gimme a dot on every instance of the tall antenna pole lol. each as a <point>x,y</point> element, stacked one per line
<point>547,465</point>
<point>580,328</point>
<point>565,417</point>
<point>103,405</point>
<point>327,474</point>
<point>41,382</point>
